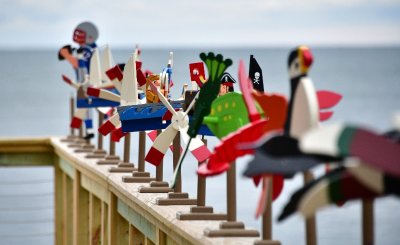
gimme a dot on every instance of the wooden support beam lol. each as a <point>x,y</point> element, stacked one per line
<point>80,212</point>
<point>94,220</point>
<point>104,223</point>
<point>59,220</point>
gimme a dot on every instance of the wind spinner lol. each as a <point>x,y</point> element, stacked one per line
<point>129,96</point>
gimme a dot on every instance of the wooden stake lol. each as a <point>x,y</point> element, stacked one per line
<point>231,192</point>
<point>267,216</point>
<point>176,156</point>
<point>99,135</point>
<point>368,221</point>
<point>72,112</point>
<point>142,151</point>
<point>159,168</point>
<point>311,229</point>
<point>127,145</point>
<point>201,185</point>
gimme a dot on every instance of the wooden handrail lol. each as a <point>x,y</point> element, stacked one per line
<point>94,206</point>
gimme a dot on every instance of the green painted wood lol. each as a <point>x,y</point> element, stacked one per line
<point>67,168</point>
<point>137,220</point>
<point>27,159</point>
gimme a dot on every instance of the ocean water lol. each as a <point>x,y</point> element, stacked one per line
<point>34,102</point>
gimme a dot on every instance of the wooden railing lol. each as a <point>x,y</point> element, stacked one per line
<point>94,206</point>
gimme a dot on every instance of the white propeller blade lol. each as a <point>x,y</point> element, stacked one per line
<point>196,147</point>
<point>103,94</point>
<point>160,146</point>
<point>110,125</point>
<point>129,83</point>
<point>95,69</point>
<point>107,63</point>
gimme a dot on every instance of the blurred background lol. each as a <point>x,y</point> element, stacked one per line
<point>356,48</point>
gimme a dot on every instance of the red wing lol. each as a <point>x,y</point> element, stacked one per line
<point>325,115</point>
<point>327,99</point>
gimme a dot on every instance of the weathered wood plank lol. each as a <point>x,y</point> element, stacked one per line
<point>112,219</point>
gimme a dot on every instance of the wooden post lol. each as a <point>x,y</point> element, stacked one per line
<point>142,151</point>
<point>267,216</point>
<point>80,212</point>
<point>231,193</point>
<point>368,221</point>
<point>112,147</point>
<point>127,150</point>
<point>201,185</point>
<point>159,168</point>
<point>311,229</point>
<point>112,219</point>
<point>176,156</point>
<point>94,220</point>
<point>104,223</point>
<point>99,135</point>
<point>72,112</point>
<point>59,218</point>
<point>67,212</point>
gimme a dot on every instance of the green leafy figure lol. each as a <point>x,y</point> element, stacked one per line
<point>216,66</point>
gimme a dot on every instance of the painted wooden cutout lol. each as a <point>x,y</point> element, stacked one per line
<point>340,185</point>
<point>349,141</point>
<point>255,74</point>
<point>282,151</point>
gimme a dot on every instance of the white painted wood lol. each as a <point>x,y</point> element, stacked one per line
<point>95,70</point>
<point>314,199</point>
<point>368,176</point>
<point>129,83</point>
<point>305,114</point>
<point>322,140</point>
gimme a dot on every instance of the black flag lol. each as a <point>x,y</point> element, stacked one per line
<point>255,74</point>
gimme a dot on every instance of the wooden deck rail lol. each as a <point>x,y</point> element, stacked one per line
<point>94,206</point>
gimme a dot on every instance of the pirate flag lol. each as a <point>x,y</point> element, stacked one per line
<point>228,80</point>
<point>255,74</point>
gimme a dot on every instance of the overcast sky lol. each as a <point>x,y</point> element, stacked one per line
<point>123,23</point>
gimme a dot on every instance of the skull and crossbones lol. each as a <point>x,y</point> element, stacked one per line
<point>257,78</point>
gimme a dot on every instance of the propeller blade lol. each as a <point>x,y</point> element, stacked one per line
<point>163,99</point>
<point>262,202</point>
<point>129,83</point>
<point>115,75</point>
<point>110,125</point>
<point>160,146</point>
<point>117,134</point>
<point>196,147</point>
<point>95,69</point>
<point>79,116</point>
<point>108,111</point>
<point>71,82</point>
<point>103,94</point>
